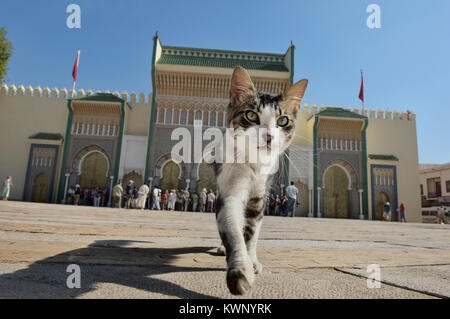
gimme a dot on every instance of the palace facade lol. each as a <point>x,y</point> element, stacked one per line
<point>346,162</point>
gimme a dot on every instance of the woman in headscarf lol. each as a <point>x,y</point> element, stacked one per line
<point>6,187</point>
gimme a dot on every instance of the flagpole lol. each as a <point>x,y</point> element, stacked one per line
<point>74,81</point>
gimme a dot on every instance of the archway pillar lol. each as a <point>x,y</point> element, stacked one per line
<point>310,194</point>
<point>111,178</point>
<point>361,212</point>
<point>319,214</point>
<point>67,175</point>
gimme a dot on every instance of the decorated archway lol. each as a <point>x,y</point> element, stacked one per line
<point>94,170</point>
<point>382,198</point>
<point>135,177</point>
<point>170,176</point>
<point>336,193</point>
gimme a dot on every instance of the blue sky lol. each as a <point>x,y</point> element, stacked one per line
<point>406,62</point>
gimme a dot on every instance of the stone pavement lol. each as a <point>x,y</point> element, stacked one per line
<point>147,254</point>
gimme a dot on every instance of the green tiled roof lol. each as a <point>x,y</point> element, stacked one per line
<point>340,112</point>
<point>222,59</point>
<point>106,97</point>
<point>383,157</point>
<point>47,136</point>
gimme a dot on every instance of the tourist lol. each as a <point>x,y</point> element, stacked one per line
<point>291,192</point>
<point>142,197</point>
<point>172,200</point>
<point>402,210</point>
<point>77,194</point>
<point>134,197</point>
<point>203,197</point>
<point>284,205</point>
<point>129,193</point>
<point>271,204</point>
<point>155,198</point>
<point>211,199</point>
<point>277,206</point>
<point>441,218</point>
<point>186,196</point>
<point>6,187</point>
<point>117,193</point>
<point>94,197</point>
<point>387,211</point>
<point>165,200</point>
<point>194,201</point>
<point>70,195</point>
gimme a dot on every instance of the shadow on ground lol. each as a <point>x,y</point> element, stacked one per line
<point>111,261</point>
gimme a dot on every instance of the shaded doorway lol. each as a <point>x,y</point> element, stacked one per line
<point>207,177</point>
<point>40,188</point>
<point>382,198</point>
<point>336,193</point>
<point>94,170</point>
<point>170,174</point>
<point>135,177</point>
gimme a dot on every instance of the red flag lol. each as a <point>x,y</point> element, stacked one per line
<point>75,67</point>
<point>361,91</point>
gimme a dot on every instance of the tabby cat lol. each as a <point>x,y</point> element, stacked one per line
<point>243,188</point>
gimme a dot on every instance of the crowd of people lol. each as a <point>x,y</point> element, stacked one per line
<point>164,199</point>
<point>285,204</point>
<point>97,197</point>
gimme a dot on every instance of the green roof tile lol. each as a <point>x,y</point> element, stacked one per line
<point>383,157</point>
<point>47,136</point>
<point>222,63</point>
<point>106,97</point>
<point>340,112</point>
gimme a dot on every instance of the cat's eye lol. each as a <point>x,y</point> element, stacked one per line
<point>282,121</point>
<point>251,116</point>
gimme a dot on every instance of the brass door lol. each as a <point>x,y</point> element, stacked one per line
<point>135,177</point>
<point>169,180</point>
<point>382,198</point>
<point>336,201</point>
<point>207,177</point>
<point>93,171</point>
<point>40,188</point>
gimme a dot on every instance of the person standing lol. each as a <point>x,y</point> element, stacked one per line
<point>142,197</point>
<point>186,196</point>
<point>194,201</point>
<point>402,213</point>
<point>6,187</point>
<point>77,195</point>
<point>172,200</point>
<point>117,193</point>
<point>165,200</point>
<point>211,199</point>
<point>291,192</point>
<point>441,219</point>
<point>387,211</point>
<point>129,193</point>
<point>155,203</point>
<point>203,197</point>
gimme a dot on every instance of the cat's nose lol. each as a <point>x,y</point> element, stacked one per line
<point>269,139</point>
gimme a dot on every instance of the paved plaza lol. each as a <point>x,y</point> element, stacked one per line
<point>147,254</point>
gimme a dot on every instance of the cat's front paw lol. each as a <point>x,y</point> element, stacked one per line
<point>257,266</point>
<point>221,251</point>
<point>240,280</point>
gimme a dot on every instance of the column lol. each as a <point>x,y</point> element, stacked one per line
<point>65,187</point>
<point>319,214</point>
<point>111,178</point>
<point>310,213</point>
<point>361,213</point>
<point>150,194</point>
<point>188,181</point>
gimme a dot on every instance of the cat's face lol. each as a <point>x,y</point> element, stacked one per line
<point>276,115</point>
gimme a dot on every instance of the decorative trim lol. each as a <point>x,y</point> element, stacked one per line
<point>364,167</point>
<point>64,157</point>
<point>394,168</point>
<point>119,142</point>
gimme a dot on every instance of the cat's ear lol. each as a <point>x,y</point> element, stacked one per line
<point>294,95</point>
<point>241,84</point>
